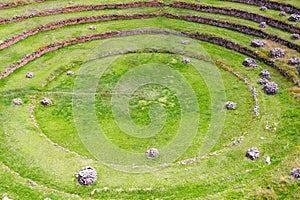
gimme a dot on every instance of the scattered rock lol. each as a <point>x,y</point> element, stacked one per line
<point>296,173</point>
<point>6,198</point>
<point>268,160</point>
<point>230,105</point>
<point>70,73</point>
<point>249,62</point>
<point>282,13</point>
<point>270,88</point>
<point>186,60</point>
<point>265,74</point>
<point>258,43</point>
<point>263,81</point>
<point>46,102</point>
<point>294,18</point>
<point>263,25</point>
<point>92,27</point>
<point>295,36</point>
<point>294,61</point>
<point>252,153</point>
<point>17,101</point>
<point>263,8</point>
<point>87,176</point>
<point>277,53</point>
<point>152,153</point>
<point>29,75</point>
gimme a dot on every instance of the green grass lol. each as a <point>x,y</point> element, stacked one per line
<point>33,152</point>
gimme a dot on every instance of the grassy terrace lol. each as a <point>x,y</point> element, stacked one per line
<point>42,147</point>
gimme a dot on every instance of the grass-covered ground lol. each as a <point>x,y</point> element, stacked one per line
<point>39,161</point>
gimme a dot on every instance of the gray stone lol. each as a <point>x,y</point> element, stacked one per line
<point>29,75</point>
<point>265,74</point>
<point>296,173</point>
<point>87,176</point>
<point>230,105</point>
<point>263,81</point>
<point>258,43</point>
<point>152,153</point>
<point>270,88</point>
<point>249,62</point>
<point>295,36</point>
<point>70,73</point>
<point>294,61</point>
<point>263,25</point>
<point>268,160</point>
<point>186,60</point>
<point>277,53</point>
<point>46,102</point>
<point>282,13</point>
<point>252,153</point>
<point>263,8</point>
<point>298,69</point>
<point>17,101</point>
<point>294,17</point>
<point>92,27</point>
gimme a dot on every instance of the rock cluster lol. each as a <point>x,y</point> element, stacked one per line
<point>17,101</point>
<point>263,81</point>
<point>296,173</point>
<point>87,176</point>
<point>29,75</point>
<point>46,102</point>
<point>263,8</point>
<point>270,88</point>
<point>252,153</point>
<point>70,73</point>
<point>258,43</point>
<point>263,25</point>
<point>152,153</point>
<point>249,62</point>
<point>277,53</point>
<point>294,18</point>
<point>230,105</point>
<point>295,36</point>
<point>294,61</point>
<point>265,74</point>
<point>282,13</point>
<point>186,60</point>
